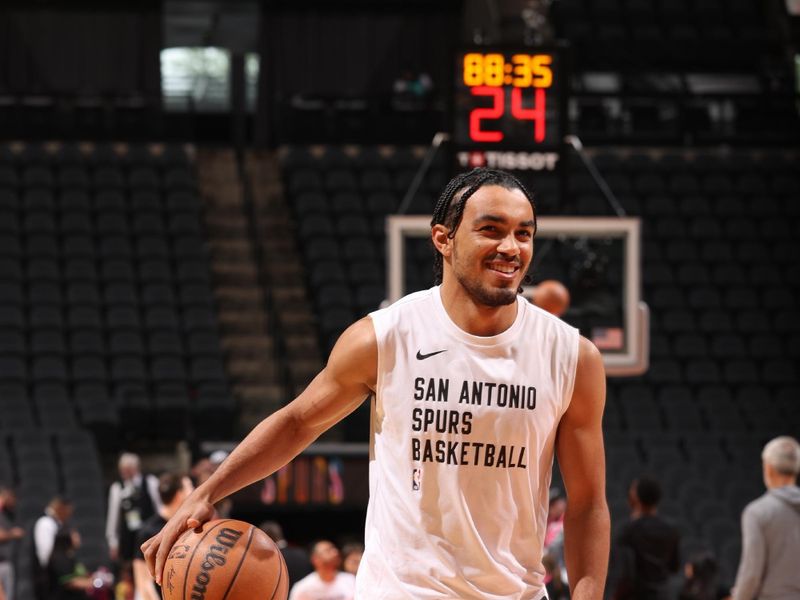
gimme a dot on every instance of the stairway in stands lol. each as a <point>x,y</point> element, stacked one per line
<point>284,271</point>
<point>244,323</point>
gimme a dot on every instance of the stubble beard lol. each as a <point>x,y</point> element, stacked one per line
<point>492,297</point>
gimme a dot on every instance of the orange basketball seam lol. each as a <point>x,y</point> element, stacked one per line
<point>241,561</point>
<point>191,558</point>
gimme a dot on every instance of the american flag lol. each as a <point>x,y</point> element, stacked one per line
<point>608,338</point>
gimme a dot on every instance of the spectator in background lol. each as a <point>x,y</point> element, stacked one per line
<point>296,559</point>
<point>123,590</point>
<point>351,557</point>
<point>58,575</point>
<point>770,565</point>
<point>131,500</point>
<point>651,542</point>
<point>554,534</point>
<point>172,490</point>
<point>554,542</point>
<point>702,579</point>
<point>327,581</point>
<point>9,534</point>
<point>557,588</point>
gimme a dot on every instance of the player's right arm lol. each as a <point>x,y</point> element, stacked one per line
<point>335,392</point>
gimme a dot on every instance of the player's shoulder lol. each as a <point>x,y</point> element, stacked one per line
<point>407,302</point>
<point>587,351</point>
<point>408,309</point>
<point>542,316</point>
<point>358,340</point>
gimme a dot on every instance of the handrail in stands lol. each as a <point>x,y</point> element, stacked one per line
<point>608,194</point>
<point>430,154</point>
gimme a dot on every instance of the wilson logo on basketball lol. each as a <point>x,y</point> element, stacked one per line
<point>215,557</point>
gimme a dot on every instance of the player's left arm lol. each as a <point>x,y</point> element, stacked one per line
<point>581,458</point>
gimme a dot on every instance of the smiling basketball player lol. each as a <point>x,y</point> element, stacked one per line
<point>474,392</point>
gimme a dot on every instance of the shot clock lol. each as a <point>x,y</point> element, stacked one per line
<point>508,100</point>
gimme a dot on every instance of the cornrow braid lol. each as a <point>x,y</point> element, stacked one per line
<point>449,214</point>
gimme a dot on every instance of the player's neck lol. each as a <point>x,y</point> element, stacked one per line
<point>472,317</point>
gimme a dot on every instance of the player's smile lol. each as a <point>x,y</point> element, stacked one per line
<point>504,269</point>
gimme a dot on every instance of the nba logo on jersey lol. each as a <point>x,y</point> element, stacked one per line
<point>416,475</point>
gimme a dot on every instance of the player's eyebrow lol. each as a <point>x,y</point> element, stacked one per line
<point>499,219</point>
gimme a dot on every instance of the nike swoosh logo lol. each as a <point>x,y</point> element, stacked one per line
<point>421,356</point>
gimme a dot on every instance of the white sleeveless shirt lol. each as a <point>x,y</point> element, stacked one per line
<point>461,453</point>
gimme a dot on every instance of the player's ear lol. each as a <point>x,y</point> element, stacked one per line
<point>440,235</point>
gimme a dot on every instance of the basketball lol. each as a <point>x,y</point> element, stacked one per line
<point>552,296</point>
<point>225,559</point>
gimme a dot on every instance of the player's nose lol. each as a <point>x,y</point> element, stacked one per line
<point>509,246</point>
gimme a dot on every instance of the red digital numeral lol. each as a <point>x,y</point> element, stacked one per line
<point>476,134</point>
<point>535,114</point>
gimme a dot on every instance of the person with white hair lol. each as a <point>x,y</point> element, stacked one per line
<point>768,569</point>
<point>132,500</point>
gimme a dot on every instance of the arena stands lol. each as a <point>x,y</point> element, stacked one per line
<point>106,288</point>
<point>107,317</point>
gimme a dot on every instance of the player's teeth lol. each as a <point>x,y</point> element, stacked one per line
<point>503,269</point>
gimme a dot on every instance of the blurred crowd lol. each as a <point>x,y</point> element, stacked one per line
<point>645,560</point>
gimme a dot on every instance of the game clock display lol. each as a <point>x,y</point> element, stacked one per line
<point>507,99</point>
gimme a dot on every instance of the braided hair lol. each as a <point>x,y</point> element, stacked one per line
<point>449,213</point>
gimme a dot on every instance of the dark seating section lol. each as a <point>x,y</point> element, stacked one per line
<point>340,198</point>
<point>106,308</point>
<point>722,284</point>
<point>701,34</point>
<point>720,276</point>
<point>41,464</point>
<point>656,71</point>
<point>108,331</point>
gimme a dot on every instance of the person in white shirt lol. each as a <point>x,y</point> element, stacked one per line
<point>327,582</point>
<point>132,500</point>
<point>473,391</point>
<point>56,572</point>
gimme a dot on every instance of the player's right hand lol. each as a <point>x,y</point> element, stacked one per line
<point>194,511</point>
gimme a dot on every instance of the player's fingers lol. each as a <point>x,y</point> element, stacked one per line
<point>168,537</point>
<point>148,549</point>
<point>160,549</point>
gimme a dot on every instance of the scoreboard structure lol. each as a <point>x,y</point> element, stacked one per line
<point>510,107</point>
